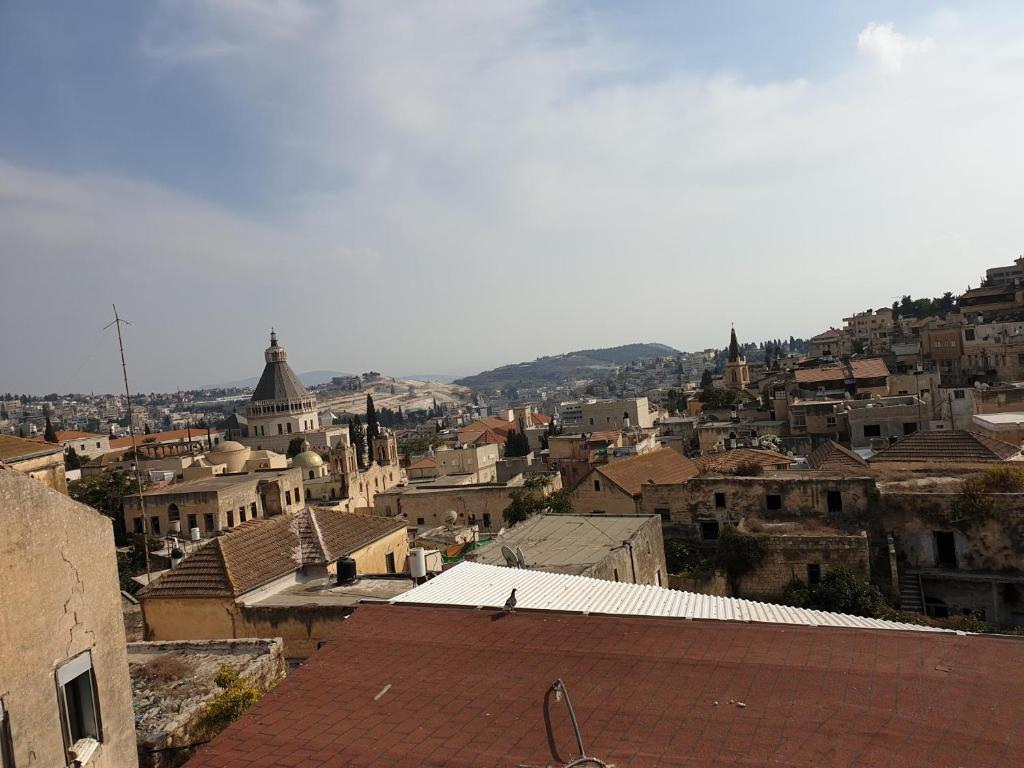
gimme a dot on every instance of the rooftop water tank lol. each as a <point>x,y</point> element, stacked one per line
<point>346,571</point>
<point>417,563</point>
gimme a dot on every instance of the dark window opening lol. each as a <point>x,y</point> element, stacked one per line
<point>666,516</point>
<point>420,521</point>
<point>872,430</point>
<point>487,519</point>
<point>389,559</point>
<point>709,530</point>
<point>945,549</point>
<point>720,500</point>
<point>909,428</point>
<point>241,514</point>
<point>773,501</point>
<point>173,514</point>
<point>597,485</point>
<point>208,522</point>
<point>193,522</point>
<point>154,525</point>
<point>137,523</point>
<point>231,519</point>
<point>813,573</point>
<point>835,501</point>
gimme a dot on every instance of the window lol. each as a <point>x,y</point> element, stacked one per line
<point>720,500</point>
<point>252,510</point>
<point>909,428</point>
<point>597,485</point>
<point>288,498</point>
<point>289,427</point>
<point>311,475</point>
<point>666,516</point>
<point>137,525</point>
<point>835,501</point>
<point>945,549</point>
<point>830,421</point>
<point>241,514</point>
<point>969,334</point>
<point>959,394</point>
<point>231,518</point>
<point>709,530</point>
<point>773,501</point>
<point>173,514</point>
<point>280,429</point>
<point>389,560</point>
<point>78,700</point>
<point>487,519</point>
<point>615,573</point>
<point>872,430</point>
<point>421,521</point>
<point>193,522</point>
<point>813,574</point>
<point>154,525</point>
<point>297,495</point>
<point>208,522</point>
<point>6,745</point>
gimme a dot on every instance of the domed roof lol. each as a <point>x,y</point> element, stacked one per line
<point>228,446</point>
<point>231,453</point>
<point>308,459</point>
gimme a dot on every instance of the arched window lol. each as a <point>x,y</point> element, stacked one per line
<point>173,513</point>
<point>311,475</point>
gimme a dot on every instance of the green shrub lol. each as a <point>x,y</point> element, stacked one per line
<point>236,696</point>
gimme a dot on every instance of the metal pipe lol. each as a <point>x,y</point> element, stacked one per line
<point>560,690</point>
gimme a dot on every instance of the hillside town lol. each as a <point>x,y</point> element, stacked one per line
<point>693,518</point>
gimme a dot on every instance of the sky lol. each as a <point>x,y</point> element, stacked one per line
<point>445,187</point>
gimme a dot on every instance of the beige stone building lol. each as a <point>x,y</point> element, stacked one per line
<point>478,462</point>
<point>585,416</point>
<point>41,461</point>
<point>427,505</point>
<point>834,342</point>
<point>615,488</point>
<point>216,503</point>
<point>280,404</point>
<point>63,668</point>
<point>871,329</point>
<point>218,592</point>
<point>737,372</point>
<point>83,443</point>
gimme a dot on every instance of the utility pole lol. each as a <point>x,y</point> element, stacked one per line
<point>131,430</point>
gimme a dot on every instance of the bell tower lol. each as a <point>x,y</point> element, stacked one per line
<point>737,374</point>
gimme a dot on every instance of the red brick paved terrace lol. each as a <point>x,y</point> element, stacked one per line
<point>410,686</point>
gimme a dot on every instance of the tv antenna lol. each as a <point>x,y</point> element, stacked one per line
<point>118,321</point>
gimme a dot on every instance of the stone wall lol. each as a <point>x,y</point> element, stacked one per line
<point>786,559</point>
<point>595,494</point>
<point>641,563</point>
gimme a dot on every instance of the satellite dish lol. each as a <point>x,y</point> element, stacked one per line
<point>510,557</point>
<point>520,557</point>
<point>450,517</point>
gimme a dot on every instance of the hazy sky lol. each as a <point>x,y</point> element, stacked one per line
<point>448,186</point>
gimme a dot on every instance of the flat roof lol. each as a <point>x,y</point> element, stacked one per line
<point>326,591</point>
<point>563,543</point>
<point>1015,417</point>
<point>406,686</point>
<point>214,483</point>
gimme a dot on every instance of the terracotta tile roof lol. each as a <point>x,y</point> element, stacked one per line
<point>260,551</point>
<point>540,419</point>
<point>662,466</point>
<point>831,456</point>
<point>427,462</point>
<point>173,436</point>
<point>832,333</point>
<point>16,448</point>
<point>947,447</point>
<point>873,368</point>
<point>728,461</point>
<point>71,434</point>
<point>486,437</point>
<point>608,436</point>
<point>646,692</point>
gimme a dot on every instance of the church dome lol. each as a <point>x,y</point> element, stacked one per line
<point>308,460</point>
<point>231,453</point>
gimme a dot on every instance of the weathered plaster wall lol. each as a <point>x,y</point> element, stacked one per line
<point>60,597</point>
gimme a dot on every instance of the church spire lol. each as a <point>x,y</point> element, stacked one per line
<point>734,347</point>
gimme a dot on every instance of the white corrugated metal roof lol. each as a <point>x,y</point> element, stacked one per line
<point>488,586</point>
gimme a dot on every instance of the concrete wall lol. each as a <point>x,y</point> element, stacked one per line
<point>60,598</point>
<point>48,470</point>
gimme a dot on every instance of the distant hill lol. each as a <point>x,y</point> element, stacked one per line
<point>309,379</point>
<point>582,364</point>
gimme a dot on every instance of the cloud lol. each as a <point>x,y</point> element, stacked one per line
<point>494,160</point>
<point>888,48</point>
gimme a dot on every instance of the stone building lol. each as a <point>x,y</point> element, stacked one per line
<point>617,548</point>
<point>83,443</point>
<point>40,461</point>
<point>582,416</point>
<point>872,330</point>
<point>478,462</point>
<point>427,505</point>
<point>214,593</point>
<point>831,343</point>
<point>62,658</point>
<point>280,404</point>
<point>216,503</point>
<point>615,488</point>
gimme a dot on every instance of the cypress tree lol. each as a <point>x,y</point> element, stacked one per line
<point>49,435</point>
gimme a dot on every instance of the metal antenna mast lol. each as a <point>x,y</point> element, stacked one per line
<point>118,321</point>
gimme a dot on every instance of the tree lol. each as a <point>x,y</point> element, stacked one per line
<point>516,444</point>
<point>715,399</point>
<point>705,378</point>
<point>295,446</point>
<point>738,554</point>
<point>840,590</point>
<point>71,459</point>
<point>50,435</point>
<point>530,499</point>
<point>104,492</point>
<point>145,428</point>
